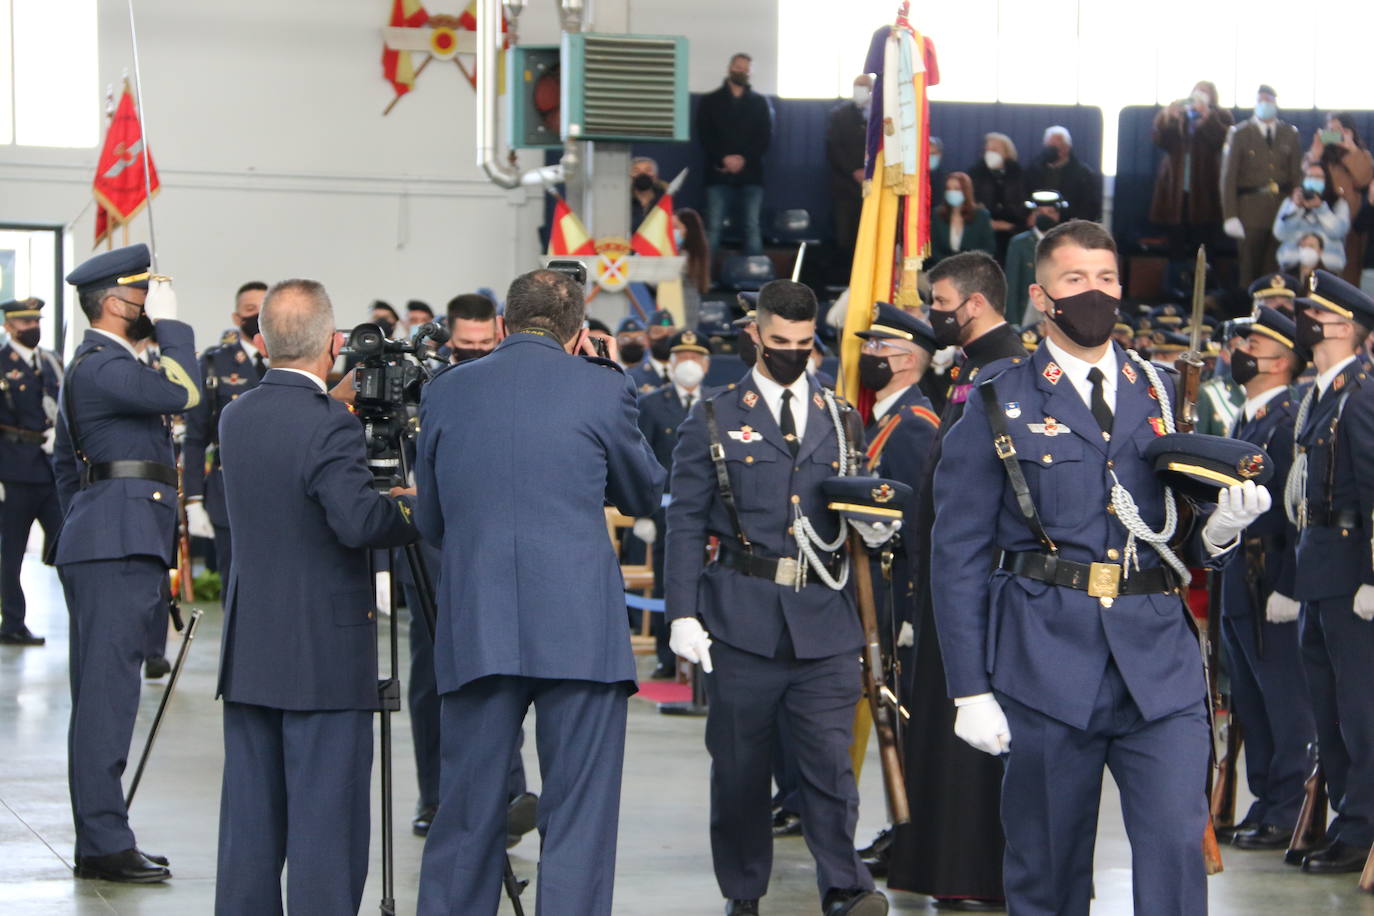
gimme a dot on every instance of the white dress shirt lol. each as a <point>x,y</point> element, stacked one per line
<point>771,392</point>
<point>119,340</point>
<point>1324,379</point>
<point>1252,405</point>
<point>1076,371</point>
<point>683,394</point>
<point>880,408</point>
<point>30,357</point>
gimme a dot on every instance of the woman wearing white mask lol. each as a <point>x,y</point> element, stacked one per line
<point>998,184</point>
<point>1315,208</point>
<point>960,222</point>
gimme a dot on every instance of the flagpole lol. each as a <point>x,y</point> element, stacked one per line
<point>147,149</point>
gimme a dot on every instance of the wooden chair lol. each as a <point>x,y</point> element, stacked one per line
<point>639,577</point>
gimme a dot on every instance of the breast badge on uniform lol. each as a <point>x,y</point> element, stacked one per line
<point>1053,373</point>
<point>1051,427</point>
<point>14,374</point>
<point>1013,409</point>
<point>744,434</point>
<point>1129,371</point>
<point>750,399</point>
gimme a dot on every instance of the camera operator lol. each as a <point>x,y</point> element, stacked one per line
<point>298,670</point>
<point>518,454</point>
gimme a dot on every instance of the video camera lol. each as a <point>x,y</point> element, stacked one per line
<point>388,378</point>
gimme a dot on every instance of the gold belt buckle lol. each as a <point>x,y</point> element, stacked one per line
<point>786,573</point>
<point>1104,580</point>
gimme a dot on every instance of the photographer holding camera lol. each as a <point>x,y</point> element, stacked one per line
<point>518,454</point>
<point>1314,208</point>
<point>298,669</point>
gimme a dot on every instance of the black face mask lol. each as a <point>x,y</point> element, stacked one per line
<point>948,328</point>
<point>465,354</point>
<point>1044,222</point>
<point>642,182</point>
<point>29,337</point>
<point>875,372</point>
<point>1087,318</point>
<point>1049,155</point>
<point>1310,331</point>
<point>1244,367</point>
<point>141,328</point>
<point>785,366</point>
<point>739,79</point>
<point>632,353</point>
<point>744,346</point>
<point>661,348</point>
<point>248,327</point>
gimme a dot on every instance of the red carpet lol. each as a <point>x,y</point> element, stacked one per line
<point>664,691</point>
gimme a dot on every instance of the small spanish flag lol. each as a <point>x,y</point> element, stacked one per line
<point>568,235</point>
<point>654,237</point>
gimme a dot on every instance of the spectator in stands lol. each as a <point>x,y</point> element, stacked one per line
<point>998,184</point>
<point>689,235</point>
<point>1365,223</point>
<point>937,171</point>
<point>734,127</point>
<point>1261,164</point>
<point>846,142</point>
<point>1307,257</point>
<point>1315,208</point>
<point>1351,169</point>
<point>1187,196</point>
<point>645,189</point>
<point>1047,209</point>
<point>1060,170</point>
<point>960,223</point>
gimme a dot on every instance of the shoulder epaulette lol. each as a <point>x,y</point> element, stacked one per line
<point>607,363</point>
<point>999,367</point>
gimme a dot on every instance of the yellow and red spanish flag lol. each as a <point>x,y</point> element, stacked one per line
<point>121,186</point>
<point>396,65</point>
<point>568,236</point>
<point>654,237</point>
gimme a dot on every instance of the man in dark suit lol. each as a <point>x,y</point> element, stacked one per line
<point>233,367</point>
<point>846,144</point>
<point>1259,614</point>
<point>777,644</point>
<point>1261,164</point>
<point>735,127</point>
<point>518,454</point>
<point>117,484</point>
<point>29,381</point>
<point>298,666</point>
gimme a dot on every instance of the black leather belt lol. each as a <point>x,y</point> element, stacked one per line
<point>783,571</point>
<point>1272,187</point>
<point>20,436</point>
<point>1323,517</point>
<point>1101,580</point>
<point>129,470</point>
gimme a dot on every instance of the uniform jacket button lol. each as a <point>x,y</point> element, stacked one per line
<point>1113,554</point>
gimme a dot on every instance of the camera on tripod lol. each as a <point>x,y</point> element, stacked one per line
<point>388,378</point>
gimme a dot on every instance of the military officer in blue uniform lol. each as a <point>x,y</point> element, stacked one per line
<point>653,372</point>
<point>230,369</point>
<point>117,484</point>
<point>29,381</point>
<point>1331,500</point>
<point>519,453</point>
<point>1076,652</point>
<point>661,413</point>
<point>1258,612</point>
<point>1276,291</point>
<point>634,343</point>
<point>769,619</point>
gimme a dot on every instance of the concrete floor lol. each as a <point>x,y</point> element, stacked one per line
<point>664,860</point>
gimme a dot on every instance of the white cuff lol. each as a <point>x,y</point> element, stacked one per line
<point>969,701</point>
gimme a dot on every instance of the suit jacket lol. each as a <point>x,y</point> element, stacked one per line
<point>1078,184</point>
<point>1334,561</point>
<point>121,408</point>
<point>519,451</point>
<point>22,406</point>
<point>978,236</point>
<point>1047,646</point>
<point>742,126</point>
<point>749,612</point>
<point>226,372</point>
<point>300,628</point>
<point>846,145</point>
<point>660,415</point>
<point>1249,164</point>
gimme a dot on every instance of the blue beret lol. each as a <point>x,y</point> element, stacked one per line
<point>662,318</point>
<point>1275,285</point>
<point>870,499</point>
<point>630,325</point>
<point>127,266</point>
<point>1198,465</point>
<point>22,308</point>
<point>1332,293</point>
<point>890,322</point>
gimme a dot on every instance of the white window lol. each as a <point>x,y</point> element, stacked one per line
<point>49,80</point>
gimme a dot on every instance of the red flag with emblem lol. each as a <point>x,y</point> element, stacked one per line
<point>120,185</point>
<point>654,237</point>
<point>568,235</point>
<point>396,65</point>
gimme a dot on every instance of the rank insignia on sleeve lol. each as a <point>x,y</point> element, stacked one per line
<point>1013,409</point>
<point>816,399</point>
<point>744,434</point>
<point>1129,371</point>
<point>1157,424</point>
<point>1052,373</point>
<point>750,399</point>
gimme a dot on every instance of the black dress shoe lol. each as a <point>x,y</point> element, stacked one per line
<point>1265,836</point>
<point>787,823</point>
<point>1338,859</point>
<point>23,637</point>
<point>741,908</point>
<point>423,818</point>
<point>664,672</point>
<point>521,817</point>
<point>160,860</point>
<point>877,854</point>
<point>156,666</point>
<point>127,867</point>
<point>1298,856</point>
<point>1226,834</point>
<point>854,903</point>
<point>971,904</point>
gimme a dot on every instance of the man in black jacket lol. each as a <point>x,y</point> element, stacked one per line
<point>1058,169</point>
<point>735,125</point>
<point>846,143</point>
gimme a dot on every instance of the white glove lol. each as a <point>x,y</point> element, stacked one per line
<point>2,492</point>
<point>1237,507</point>
<point>1281,609</point>
<point>1233,228</point>
<point>49,439</point>
<point>689,640</point>
<point>198,524</point>
<point>1364,602</point>
<point>645,530</point>
<point>906,638</point>
<point>980,722</point>
<point>943,359</point>
<point>162,300</point>
<point>876,534</point>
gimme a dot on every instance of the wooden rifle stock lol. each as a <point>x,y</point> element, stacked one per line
<point>1224,785</point>
<point>184,586</point>
<point>884,711</point>
<point>1310,831</point>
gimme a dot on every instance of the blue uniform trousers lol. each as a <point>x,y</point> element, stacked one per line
<point>1338,654</point>
<point>815,697</point>
<point>296,791</point>
<point>111,604</point>
<point>24,504</point>
<point>580,731</point>
<point>1273,709</point>
<point>1051,793</point>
